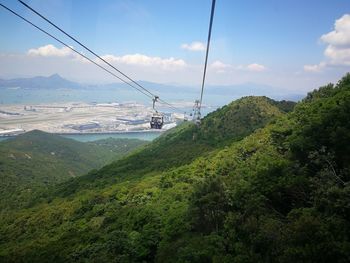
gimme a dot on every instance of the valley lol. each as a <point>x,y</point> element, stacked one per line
<point>36,160</point>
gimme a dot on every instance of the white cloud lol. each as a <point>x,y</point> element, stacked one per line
<point>15,65</point>
<point>337,55</point>
<point>194,46</point>
<point>134,59</point>
<point>140,60</point>
<point>337,52</point>
<point>50,59</point>
<point>315,68</point>
<point>143,60</point>
<point>256,67</point>
<point>51,51</point>
<point>340,36</point>
<point>220,67</point>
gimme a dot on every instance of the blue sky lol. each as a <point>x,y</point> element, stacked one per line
<point>269,42</point>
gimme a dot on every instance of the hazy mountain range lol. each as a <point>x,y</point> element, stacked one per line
<point>235,91</point>
<point>52,82</point>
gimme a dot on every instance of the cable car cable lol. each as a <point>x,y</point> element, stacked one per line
<point>77,52</point>
<point>170,105</point>
<point>150,94</point>
<point>92,52</point>
<point>207,51</point>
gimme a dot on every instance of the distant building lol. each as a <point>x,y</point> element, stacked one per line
<point>29,108</point>
<point>9,113</point>
<point>87,126</point>
<point>132,122</point>
<point>11,132</point>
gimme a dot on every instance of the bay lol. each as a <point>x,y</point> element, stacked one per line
<point>147,136</point>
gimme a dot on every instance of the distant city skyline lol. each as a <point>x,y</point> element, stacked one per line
<point>293,45</point>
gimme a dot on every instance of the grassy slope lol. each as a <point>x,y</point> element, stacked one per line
<point>37,159</point>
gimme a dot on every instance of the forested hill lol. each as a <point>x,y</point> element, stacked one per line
<point>280,194</point>
<point>36,160</point>
<point>183,144</point>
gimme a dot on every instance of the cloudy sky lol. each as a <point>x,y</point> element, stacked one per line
<point>295,45</point>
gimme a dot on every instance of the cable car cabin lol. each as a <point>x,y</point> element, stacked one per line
<point>156,122</point>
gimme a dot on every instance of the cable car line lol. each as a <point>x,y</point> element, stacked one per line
<point>84,46</point>
<point>207,51</point>
<point>139,87</point>
<point>77,52</point>
<point>166,103</point>
<point>198,103</point>
<point>96,55</point>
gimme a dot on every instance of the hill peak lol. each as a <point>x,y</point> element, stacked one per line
<point>239,118</point>
<point>34,133</point>
<point>56,76</point>
<point>282,105</point>
<point>54,81</point>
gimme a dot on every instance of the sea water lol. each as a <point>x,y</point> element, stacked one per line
<point>146,136</point>
<point>99,95</point>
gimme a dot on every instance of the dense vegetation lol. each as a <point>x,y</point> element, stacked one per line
<point>183,144</point>
<point>119,147</point>
<point>238,192</point>
<point>36,160</point>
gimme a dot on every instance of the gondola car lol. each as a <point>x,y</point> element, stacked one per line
<point>157,121</point>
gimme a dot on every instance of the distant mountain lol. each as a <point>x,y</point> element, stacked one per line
<point>37,160</point>
<point>52,82</point>
<point>231,91</point>
<point>168,91</point>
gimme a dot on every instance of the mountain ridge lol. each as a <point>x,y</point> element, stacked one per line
<point>54,81</point>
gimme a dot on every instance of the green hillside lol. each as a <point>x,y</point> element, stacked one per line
<point>183,144</point>
<point>274,191</point>
<point>36,160</point>
<point>119,147</point>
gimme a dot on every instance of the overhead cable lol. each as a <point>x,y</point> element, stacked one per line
<point>75,51</point>
<point>95,54</point>
<point>207,51</point>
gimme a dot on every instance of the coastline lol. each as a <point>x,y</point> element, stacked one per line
<point>92,133</point>
<point>106,133</point>
<point>147,135</point>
